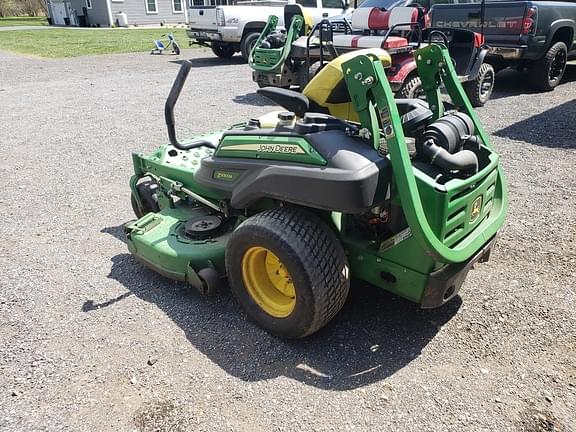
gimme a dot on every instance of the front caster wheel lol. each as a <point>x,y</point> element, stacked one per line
<point>211,282</point>
<point>147,191</point>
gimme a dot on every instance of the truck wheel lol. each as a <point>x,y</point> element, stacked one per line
<point>549,70</point>
<point>288,271</point>
<point>247,44</point>
<point>148,196</point>
<point>412,89</point>
<point>224,51</point>
<point>480,89</point>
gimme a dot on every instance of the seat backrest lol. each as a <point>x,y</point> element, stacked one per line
<point>292,10</point>
<point>462,49</point>
<point>377,19</point>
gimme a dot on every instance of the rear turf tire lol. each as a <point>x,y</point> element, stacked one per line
<point>547,72</point>
<point>480,89</point>
<point>303,80</point>
<point>308,252</point>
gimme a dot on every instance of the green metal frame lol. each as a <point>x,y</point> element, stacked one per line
<point>273,59</point>
<point>374,102</point>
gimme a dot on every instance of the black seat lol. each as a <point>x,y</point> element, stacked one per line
<point>288,99</point>
<point>291,11</point>
<point>414,112</point>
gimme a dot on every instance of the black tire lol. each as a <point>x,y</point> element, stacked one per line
<point>211,282</point>
<point>148,195</point>
<point>412,88</point>
<point>224,51</point>
<point>303,80</point>
<point>176,49</point>
<point>547,72</point>
<point>315,262</point>
<point>247,43</point>
<point>480,89</point>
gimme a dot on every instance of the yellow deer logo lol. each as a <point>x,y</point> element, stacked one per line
<point>476,207</point>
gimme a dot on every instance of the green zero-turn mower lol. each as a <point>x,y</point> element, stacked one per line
<point>269,57</point>
<point>408,198</point>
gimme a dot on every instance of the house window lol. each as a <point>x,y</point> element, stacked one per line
<point>88,4</point>
<point>151,6</point>
<point>177,6</point>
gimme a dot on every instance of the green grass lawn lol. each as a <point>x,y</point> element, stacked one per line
<point>23,21</point>
<point>62,42</point>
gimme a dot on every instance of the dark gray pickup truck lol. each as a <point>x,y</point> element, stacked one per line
<point>533,35</point>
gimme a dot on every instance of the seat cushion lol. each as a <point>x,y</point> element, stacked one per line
<point>377,19</point>
<point>359,41</point>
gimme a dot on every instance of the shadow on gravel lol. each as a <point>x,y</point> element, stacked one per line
<point>116,232</point>
<point>213,61</point>
<point>554,128</point>
<point>375,335</point>
<point>510,82</point>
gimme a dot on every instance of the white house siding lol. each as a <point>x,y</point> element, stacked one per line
<point>98,15</point>
<point>135,10</point>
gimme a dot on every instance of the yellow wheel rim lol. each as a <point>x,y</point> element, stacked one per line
<point>268,282</point>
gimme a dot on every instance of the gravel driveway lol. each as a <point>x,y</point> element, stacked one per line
<point>92,341</point>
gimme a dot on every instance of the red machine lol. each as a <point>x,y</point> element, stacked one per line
<point>400,31</point>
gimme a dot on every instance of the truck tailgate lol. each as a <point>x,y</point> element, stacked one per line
<point>502,20</point>
<point>202,18</point>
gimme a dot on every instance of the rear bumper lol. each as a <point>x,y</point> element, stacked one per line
<point>204,36</point>
<point>444,284</point>
<point>507,53</point>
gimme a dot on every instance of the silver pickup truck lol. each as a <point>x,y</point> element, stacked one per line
<point>231,29</point>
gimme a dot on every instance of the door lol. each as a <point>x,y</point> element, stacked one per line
<point>59,10</point>
<point>72,14</point>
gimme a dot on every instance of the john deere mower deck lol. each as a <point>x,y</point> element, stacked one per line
<point>346,182</point>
